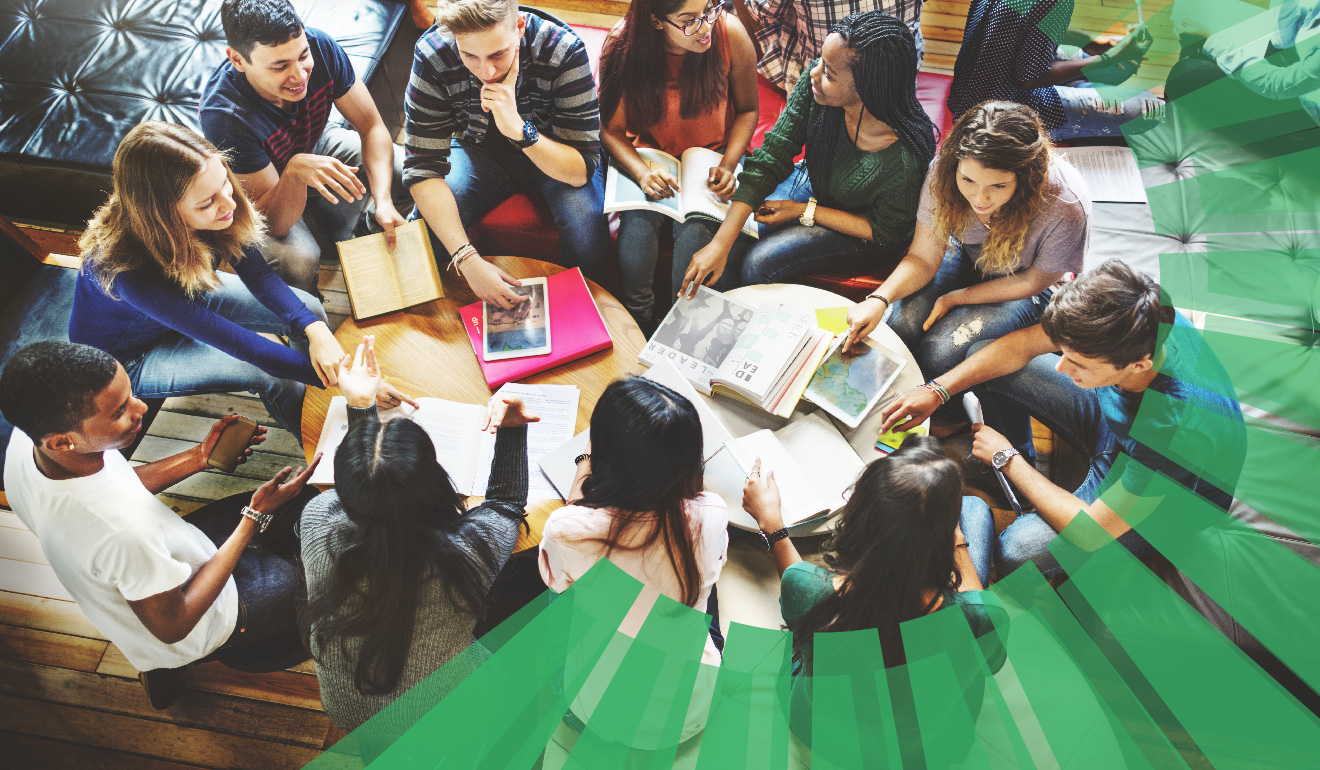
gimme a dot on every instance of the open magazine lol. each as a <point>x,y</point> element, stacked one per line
<point>694,198</point>
<point>761,355</point>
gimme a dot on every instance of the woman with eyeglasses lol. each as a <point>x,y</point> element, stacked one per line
<point>853,204</point>
<point>674,74</point>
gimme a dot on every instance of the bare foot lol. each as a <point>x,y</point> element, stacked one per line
<point>422,16</point>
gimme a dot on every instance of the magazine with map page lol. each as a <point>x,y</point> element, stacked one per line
<point>848,385</point>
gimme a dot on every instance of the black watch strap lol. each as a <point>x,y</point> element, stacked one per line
<point>768,539</point>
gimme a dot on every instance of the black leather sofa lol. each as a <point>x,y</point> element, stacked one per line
<point>76,75</point>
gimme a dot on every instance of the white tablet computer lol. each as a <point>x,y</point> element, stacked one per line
<point>523,330</point>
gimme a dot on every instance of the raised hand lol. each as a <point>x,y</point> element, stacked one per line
<point>283,487</point>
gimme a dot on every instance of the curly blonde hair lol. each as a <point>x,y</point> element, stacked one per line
<point>1004,136</point>
<point>140,225</point>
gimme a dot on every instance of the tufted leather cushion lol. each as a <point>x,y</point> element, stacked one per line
<point>76,75</point>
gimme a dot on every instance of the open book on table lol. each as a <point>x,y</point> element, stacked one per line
<point>381,281</point>
<point>694,198</point>
<point>764,355</point>
<point>461,446</point>
<point>813,464</point>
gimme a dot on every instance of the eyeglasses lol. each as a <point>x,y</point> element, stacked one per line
<point>689,28</point>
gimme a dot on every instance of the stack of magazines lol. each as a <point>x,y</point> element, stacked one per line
<point>764,356</point>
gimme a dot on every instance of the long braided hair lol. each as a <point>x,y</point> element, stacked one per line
<point>884,70</point>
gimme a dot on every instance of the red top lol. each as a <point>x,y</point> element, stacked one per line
<point>675,133</point>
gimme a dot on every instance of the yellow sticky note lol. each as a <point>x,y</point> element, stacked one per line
<point>833,319</point>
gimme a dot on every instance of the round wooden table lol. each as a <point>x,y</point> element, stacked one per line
<point>426,349</point>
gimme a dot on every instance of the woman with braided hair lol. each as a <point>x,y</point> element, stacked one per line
<point>868,143</point>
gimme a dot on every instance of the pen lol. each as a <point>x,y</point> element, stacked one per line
<point>736,461</point>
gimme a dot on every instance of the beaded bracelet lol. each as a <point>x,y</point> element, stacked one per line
<point>939,390</point>
<point>463,253</point>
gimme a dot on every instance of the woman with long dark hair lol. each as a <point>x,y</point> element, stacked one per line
<point>868,143</point>
<point>674,74</point>
<point>897,554</point>
<point>397,569</point>
<point>1002,218</point>
<point>637,500</point>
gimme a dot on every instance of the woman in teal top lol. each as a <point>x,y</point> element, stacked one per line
<point>897,554</point>
<point>854,201</point>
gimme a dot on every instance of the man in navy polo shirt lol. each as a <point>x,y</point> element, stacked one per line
<point>268,106</point>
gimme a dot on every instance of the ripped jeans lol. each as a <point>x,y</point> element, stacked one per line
<point>946,344</point>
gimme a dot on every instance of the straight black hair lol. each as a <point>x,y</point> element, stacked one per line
<point>645,465</point>
<point>51,387</point>
<point>884,70</point>
<point>408,529</point>
<point>894,543</point>
<point>249,22</point>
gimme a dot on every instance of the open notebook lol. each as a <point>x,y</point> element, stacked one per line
<point>461,447</point>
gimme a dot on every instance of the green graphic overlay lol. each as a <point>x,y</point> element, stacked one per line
<point>1201,656</point>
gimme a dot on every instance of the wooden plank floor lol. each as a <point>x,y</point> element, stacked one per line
<point>69,698</point>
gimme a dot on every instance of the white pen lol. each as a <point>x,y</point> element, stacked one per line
<point>736,461</point>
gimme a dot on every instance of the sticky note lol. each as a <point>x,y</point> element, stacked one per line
<point>893,439</point>
<point>833,319</point>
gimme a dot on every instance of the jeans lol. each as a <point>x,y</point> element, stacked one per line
<point>946,344</point>
<point>1038,390</point>
<point>182,366</point>
<point>639,248</point>
<point>481,177</point>
<point>271,592</point>
<point>791,251</point>
<point>296,257</point>
<point>978,528</point>
<point>1088,113</point>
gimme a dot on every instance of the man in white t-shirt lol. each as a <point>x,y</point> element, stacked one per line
<point>155,584</point>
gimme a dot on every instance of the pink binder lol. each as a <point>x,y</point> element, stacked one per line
<point>576,330</point>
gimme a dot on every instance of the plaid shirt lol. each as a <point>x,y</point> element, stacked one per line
<point>792,33</point>
<point>555,91</point>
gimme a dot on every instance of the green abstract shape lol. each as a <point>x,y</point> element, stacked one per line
<point>1250,575</point>
<point>1087,713</point>
<point>472,728</point>
<point>647,682</point>
<point>852,719</point>
<point>748,724</point>
<point>959,707</point>
<point>1237,715</point>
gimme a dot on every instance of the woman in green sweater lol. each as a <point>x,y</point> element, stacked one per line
<point>854,201</point>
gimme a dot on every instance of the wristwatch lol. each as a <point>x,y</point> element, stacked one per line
<point>808,218</point>
<point>530,135</point>
<point>262,519</point>
<point>1001,458</point>
<point>768,540</point>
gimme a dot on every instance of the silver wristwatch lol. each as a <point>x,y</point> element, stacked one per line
<point>999,459</point>
<point>808,218</point>
<point>262,519</point>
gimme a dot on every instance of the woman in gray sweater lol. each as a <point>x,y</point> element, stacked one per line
<point>397,571</point>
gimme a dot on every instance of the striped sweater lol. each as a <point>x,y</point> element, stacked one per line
<point>555,90</point>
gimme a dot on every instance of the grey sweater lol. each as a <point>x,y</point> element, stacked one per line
<point>442,630</point>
